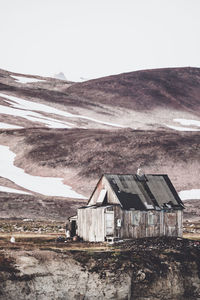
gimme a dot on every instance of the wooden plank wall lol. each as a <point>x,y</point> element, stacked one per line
<point>91,224</point>
<point>164,223</point>
<point>104,184</point>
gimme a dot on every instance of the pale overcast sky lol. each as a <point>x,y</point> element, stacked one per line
<point>94,38</point>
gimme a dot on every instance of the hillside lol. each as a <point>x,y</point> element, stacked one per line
<point>172,88</point>
<point>64,135</point>
<point>152,99</point>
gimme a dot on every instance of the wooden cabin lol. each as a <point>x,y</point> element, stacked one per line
<point>131,206</point>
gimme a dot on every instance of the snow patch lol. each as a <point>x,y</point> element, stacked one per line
<point>9,126</point>
<point>11,190</point>
<point>189,194</point>
<point>48,186</point>
<point>188,122</point>
<point>23,79</point>
<point>25,105</point>
<point>30,105</point>
<point>182,128</point>
<point>185,122</point>
<point>21,109</point>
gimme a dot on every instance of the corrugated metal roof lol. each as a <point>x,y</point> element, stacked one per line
<point>145,192</point>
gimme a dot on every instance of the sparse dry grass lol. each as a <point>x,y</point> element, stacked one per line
<point>191,236</point>
<point>32,241</point>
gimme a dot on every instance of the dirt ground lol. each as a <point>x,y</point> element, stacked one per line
<point>30,235</point>
<point>31,241</point>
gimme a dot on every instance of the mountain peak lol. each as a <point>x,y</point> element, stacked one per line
<point>60,76</point>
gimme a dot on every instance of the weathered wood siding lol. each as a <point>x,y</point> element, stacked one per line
<point>91,224</point>
<point>150,223</point>
<point>134,224</point>
<point>104,184</point>
<point>180,222</point>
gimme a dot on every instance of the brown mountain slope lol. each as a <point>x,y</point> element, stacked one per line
<point>150,99</point>
<point>93,142</point>
<point>176,88</point>
<point>86,154</point>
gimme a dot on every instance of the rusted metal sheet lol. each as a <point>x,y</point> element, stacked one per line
<point>149,191</point>
<point>161,190</point>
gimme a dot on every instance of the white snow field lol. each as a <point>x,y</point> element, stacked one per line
<point>11,190</point>
<point>188,122</point>
<point>182,128</point>
<point>9,126</point>
<point>185,122</point>
<point>189,194</point>
<point>48,186</point>
<point>23,79</point>
<point>27,107</point>
<point>21,111</point>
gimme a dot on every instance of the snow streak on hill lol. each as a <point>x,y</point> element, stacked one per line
<point>23,79</point>
<point>44,185</point>
<point>9,126</point>
<point>190,194</point>
<point>27,109</point>
<point>187,123</point>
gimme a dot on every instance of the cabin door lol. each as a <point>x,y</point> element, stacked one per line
<point>109,223</point>
<point>73,228</point>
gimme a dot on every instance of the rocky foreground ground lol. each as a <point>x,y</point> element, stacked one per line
<point>153,268</point>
